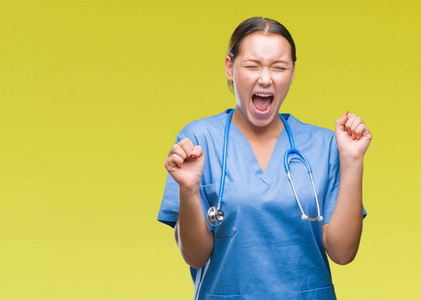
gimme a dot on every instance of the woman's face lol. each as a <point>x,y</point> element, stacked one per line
<point>261,73</point>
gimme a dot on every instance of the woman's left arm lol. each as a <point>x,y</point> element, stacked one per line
<point>341,236</point>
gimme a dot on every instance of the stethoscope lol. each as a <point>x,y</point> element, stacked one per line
<point>216,215</point>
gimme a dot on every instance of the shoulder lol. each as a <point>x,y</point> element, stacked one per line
<point>309,132</point>
<point>305,127</point>
<point>200,130</point>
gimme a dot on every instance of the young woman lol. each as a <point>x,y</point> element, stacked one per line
<point>276,226</point>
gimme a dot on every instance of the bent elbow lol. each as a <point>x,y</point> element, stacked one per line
<point>197,266</point>
<point>344,259</point>
<point>343,262</point>
<point>195,263</point>
<point>196,259</point>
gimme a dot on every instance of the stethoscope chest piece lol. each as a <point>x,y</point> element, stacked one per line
<point>215,216</point>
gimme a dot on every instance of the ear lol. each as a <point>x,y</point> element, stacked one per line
<point>229,68</point>
<point>293,73</point>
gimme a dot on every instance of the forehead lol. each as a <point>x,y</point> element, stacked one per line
<point>259,45</point>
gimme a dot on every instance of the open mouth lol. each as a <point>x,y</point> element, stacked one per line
<point>261,101</point>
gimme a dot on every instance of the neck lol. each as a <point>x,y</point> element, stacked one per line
<point>252,132</point>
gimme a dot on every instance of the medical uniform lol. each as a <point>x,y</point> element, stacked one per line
<point>263,249</point>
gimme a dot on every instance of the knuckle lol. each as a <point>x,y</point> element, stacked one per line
<point>184,141</point>
<point>178,160</point>
<point>173,149</point>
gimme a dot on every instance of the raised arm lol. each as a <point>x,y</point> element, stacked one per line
<point>185,164</point>
<point>341,236</point>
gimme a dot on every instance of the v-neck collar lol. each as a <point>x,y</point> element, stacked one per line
<point>276,159</point>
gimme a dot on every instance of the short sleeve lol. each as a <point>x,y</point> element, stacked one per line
<point>333,183</point>
<point>168,212</point>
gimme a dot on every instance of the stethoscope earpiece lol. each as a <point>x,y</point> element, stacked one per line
<point>305,217</point>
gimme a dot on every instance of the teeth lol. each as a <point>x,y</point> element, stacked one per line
<point>263,95</point>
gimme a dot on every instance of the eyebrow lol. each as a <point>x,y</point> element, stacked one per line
<point>275,62</point>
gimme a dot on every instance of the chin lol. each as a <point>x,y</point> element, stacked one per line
<point>258,122</point>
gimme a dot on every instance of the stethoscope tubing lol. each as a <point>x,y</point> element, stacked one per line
<point>224,158</point>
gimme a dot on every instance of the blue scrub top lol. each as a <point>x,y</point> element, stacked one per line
<point>263,249</point>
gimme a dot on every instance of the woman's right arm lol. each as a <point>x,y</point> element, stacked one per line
<point>194,238</point>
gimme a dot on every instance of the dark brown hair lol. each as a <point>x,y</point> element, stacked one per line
<point>251,25</point>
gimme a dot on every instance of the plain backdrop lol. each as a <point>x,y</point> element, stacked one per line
<point>93,94</point>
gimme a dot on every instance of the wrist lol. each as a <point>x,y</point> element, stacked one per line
<point>351,161</point>
<point>190,189</point>
<point>351,166</point>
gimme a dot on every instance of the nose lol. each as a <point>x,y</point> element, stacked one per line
<point>265,78</point>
